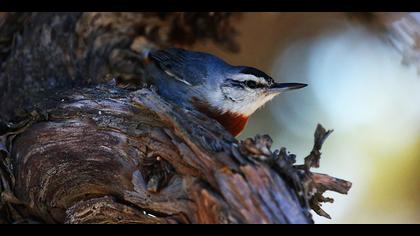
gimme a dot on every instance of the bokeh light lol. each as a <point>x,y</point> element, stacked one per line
<point>362,90</point>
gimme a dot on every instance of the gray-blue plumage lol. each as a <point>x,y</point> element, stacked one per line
<point>194,67</point>
<point>172,66</point>
<point>186,77</point>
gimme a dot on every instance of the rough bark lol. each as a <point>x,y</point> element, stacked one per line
<point>83,140</point>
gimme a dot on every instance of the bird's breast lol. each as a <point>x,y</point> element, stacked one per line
<point>233,122</point>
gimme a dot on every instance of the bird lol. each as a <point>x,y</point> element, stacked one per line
<point>228,93</point>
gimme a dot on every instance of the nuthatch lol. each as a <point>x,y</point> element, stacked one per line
<point>226,93</point>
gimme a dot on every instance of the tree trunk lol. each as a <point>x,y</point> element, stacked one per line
<point>84,140</point>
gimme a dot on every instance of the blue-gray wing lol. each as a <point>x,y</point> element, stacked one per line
<point>186,66</point>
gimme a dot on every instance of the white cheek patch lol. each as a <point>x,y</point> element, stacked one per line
<point>246,105</point>
<point>249,108</point>
<point>229,93</point>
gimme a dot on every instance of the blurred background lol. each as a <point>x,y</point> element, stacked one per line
<point>363,76</point>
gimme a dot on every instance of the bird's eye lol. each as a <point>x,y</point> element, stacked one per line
<point>251,84</point>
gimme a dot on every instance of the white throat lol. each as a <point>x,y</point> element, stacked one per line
<point>245,106</point>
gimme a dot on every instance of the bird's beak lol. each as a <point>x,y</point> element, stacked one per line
<point>281,87</point>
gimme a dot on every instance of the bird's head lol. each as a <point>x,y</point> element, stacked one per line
<point>243,90</point>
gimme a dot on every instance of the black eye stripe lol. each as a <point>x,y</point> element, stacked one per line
<point>246,83</point>
<point>236,83</point>
<point>251,84</point>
